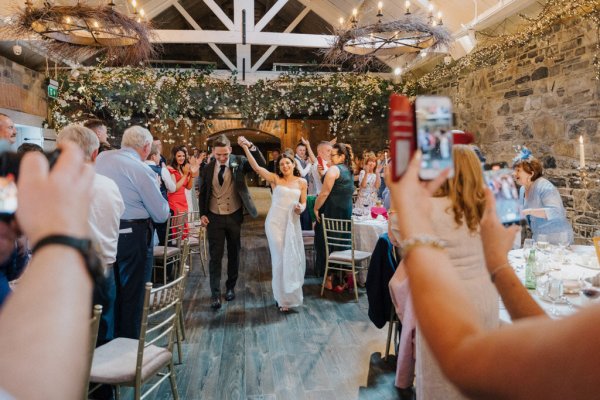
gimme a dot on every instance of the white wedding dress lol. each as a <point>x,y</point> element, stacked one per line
<point>284,234</point>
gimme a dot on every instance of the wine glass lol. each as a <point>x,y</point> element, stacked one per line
<point>527,246</point>
<point>541,285</point>
<point>562,241</point>
<point>542,241</point>
<point>555,293</point>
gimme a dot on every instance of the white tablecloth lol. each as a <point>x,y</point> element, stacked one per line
<point>367,231</point>
<point>580,262</point>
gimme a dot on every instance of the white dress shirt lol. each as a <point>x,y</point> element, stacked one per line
<point>106,209</point>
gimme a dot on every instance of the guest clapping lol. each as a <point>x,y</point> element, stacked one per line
<point>542,205</point>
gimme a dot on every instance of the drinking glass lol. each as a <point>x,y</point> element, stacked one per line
<point>563,242</point>
<point>555,293</point>
<point>541,286</point>
<point>527,246</point>
<point>542,241</point>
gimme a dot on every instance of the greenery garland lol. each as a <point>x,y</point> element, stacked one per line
<point>158,97</point>
<point>493,50</point>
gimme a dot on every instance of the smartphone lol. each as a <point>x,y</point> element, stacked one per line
<point>433,116</point>
<point>8,196</point>
<point>502,184</point>
<point>320,161</point>
<point>401,134</point>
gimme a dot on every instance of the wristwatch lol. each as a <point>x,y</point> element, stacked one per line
<point>85,247</point>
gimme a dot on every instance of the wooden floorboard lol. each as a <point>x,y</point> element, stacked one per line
<point>326,349</point>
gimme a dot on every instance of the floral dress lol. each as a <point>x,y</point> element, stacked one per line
<point>367,196</point>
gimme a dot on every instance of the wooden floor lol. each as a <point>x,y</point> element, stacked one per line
<point>328,349</point>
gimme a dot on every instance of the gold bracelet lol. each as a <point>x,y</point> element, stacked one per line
<point>422,240</point>
<point>496,270</point>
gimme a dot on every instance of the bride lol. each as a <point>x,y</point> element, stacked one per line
<point>282,227</point>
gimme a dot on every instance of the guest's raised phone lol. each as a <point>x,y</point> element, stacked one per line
<point>433,126</point>
<point>502,184</point>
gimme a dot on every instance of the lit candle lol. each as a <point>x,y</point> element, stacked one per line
<point>385,155</point>
<point>407,6</point>
<point>581,152</point>
<point>380,7</point>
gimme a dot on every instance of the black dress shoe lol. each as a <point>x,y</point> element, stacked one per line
<point>229,295</point>
<point>215,303</point>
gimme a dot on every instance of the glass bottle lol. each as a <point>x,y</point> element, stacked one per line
<point>530,270</point>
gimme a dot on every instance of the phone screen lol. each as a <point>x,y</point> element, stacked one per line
<point>433,115</point>
<point>8,196</point>
<point>502,184</point>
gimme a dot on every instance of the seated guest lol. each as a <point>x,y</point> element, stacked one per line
<point>542,204</point>
<point>25,147</point>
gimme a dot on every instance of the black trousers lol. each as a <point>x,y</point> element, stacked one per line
<point>104,295</point>
<point>223,228</point>
<point>133,269</point>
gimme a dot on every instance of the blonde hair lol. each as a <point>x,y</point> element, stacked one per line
<point>466,189</point>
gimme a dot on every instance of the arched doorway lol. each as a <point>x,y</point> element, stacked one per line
<point>264,141</point>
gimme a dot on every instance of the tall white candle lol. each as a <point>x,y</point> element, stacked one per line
<point>581,152</point>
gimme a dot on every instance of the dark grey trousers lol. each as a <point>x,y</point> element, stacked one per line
<point>223,228</point>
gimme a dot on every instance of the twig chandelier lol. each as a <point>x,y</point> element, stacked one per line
<point>362,45</point>
<point>81,30</point>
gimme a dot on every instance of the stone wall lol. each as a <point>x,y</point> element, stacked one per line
<point>22,89</point>
<point>544,96</point>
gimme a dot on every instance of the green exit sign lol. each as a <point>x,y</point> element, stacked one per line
<point>52,92</point>
<point>52,88</point>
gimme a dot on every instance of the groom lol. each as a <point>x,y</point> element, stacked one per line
<point>223,192</point>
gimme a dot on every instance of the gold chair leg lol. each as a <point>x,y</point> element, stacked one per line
<point>389,338</point>
<point>324,277</point>
<point>117,392</point>
<point>354,278</point>
<point>173,381</point>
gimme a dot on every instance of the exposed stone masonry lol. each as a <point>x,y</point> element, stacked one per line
<point>544,96</point>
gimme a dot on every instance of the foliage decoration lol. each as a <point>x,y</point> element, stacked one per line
<point>158,97</point>
<point>493,50</point>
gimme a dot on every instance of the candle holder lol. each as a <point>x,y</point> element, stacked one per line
<point>583,176</point>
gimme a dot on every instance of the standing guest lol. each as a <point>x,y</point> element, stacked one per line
<point>181,171</point>
<point>106,209</point>
<point>282,227</point>
<point>98,127</point>
<point>7,129</point>
<point>158,143</point>
<point>48,317</point>
<point>319,168</point>
<point>143,204</point>
<point>335,198</point>
<point>222,195</point>
<point>272,165</point>
<point>542,205</point>
<point>304,165</point>
<point>368,184</point>
<point>25,147</point>
<point>166,186</point>
<point>456,212</point>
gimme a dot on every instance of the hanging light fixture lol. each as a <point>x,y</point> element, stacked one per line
<point>363,44</point>
<point>80,30</point>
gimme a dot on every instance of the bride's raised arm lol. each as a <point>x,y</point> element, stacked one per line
<point>266,175</point>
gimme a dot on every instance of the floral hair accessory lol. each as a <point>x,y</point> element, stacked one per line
<point>523,154</point>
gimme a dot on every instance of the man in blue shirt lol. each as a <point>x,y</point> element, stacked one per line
<point>143,205</point>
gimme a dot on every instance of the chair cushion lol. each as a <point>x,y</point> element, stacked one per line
<point>115,361</point>
<point>193,241</point>
<point>308,240</point>
<point>308,233</point>
<point>346,255</point>
<point>159,251</point>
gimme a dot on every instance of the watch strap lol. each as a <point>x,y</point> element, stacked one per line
<point>83,246</point>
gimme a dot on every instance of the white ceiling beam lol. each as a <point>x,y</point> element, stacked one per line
<point>220,14</point>
<point>269,15</point>
<point>197,27</point>
<point>256,38</point>
<point>290,28</point>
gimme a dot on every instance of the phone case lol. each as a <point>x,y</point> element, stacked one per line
<point>401,133</point>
